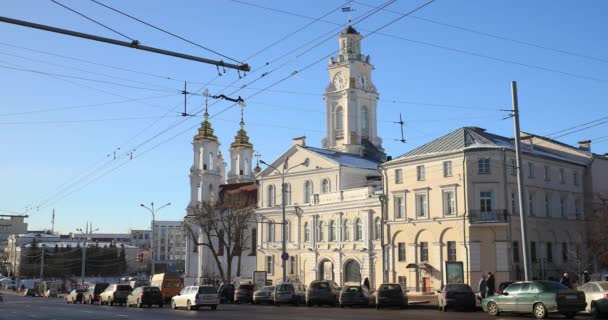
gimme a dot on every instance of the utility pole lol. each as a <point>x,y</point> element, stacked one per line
<point>153,212</point>
<point>88,231</point>
<point>520,183</point>
<point>42,262</point>
<point>53,222</point>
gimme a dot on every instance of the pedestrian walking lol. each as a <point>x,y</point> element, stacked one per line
<point>482,287</point>
<point>565,280</point>
<point>586,277</point>
<point>490,284</point>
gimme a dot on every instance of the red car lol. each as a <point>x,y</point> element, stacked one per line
<point>244,293</point>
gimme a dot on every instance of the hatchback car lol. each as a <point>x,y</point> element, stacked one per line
<point>596,293</point>
<point>292,293</point>
<point>391,295</point>
<point>264,295</point>
<point>457,295</point>
<point>244,293</point>
<point>115,293</point>
<point>194,297</point>
<point>74,296</point>
<point>145,296</point>
<point>354,295</point>
<point>91,294</point>
<point>537,297</point>
<point>322,292</point>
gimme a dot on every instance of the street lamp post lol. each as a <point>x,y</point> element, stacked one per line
<point>153,212</point>
<point>84,234</point>
<point>282,173</point>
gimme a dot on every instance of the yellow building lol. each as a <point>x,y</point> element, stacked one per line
<point>454,200</point>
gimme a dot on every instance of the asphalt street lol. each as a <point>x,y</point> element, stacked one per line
<point>21,308</point>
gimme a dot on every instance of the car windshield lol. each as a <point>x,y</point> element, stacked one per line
<point>123,287</point>
<point>389,287</point>
<point>351,289</point>
<point>458,287</point>
<point>151,289</point>
<point>553,286</point>
<point>79,290</point>
<point>207,290</point>
<point>319,285</point>
<point>268,288</point>
<point>284,287</point>
<point>246,287</point>
<point>603,285</point>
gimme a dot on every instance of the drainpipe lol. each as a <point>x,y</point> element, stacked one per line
<point>464,217</point>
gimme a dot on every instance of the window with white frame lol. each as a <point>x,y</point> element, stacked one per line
<point>358,230</point>
<point>325,186</point>
<point>270,264</point>
<point>320,233</point>
<point>483,166</point>
<point>306,232</point>
<point>345,230</point>
<point>332,230</point>
<point>270,196</point>
<point>286,231</point>
<point>287,194</point>
<point>513,167</point>
<point>421,204</point>
<point>449,202</point>
<point>424,251</point>
<point>547,204</point>
<point>562,175</point>
<point>307,191</point>
<point>530,170</point>
<point>447,168</point>
<point>547,173</point>
<point>485,201</point>
<point>401,251</point>
<point>451,250</point>
<point>292,265</point>
<point>270,234</point>
<point>398,176</point>
<point>399,207</point>
<point>377,228</point>
<point>420,173</point>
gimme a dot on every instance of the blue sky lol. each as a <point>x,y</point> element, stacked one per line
<point>42,152</point>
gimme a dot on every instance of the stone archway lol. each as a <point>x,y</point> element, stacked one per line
<point>352,271</point>
<point>326,270</point>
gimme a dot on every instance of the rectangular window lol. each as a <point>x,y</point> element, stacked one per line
<point>449,203</point>
<point>483,166</point>
<point>424,251</point>
<point>269,264</point>
<point>577,206</point>
<point>533,251</point>
<point>514,204</point>
<point>562,207</point>
<point>530,170</point>
<point>398,202</point>
<point>547,205</point>
<point>575,177</point>
<point>562,175</point>
<point>451,250</point>
<point>420,173</point>
<point>565,251</point>
<point>292,265</point>
<point>485,201</point>
<point>549,252</point>
<point>421,205</point>
<point>515,251</point>
<point>401,251</point>
<point>447,168</point>
<point>531,204</point>
<point>547,173</point>
<point>398,176</point>
<point>513,167</point>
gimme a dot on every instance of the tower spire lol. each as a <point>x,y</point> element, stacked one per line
<point>206,94</point>
<point>206,131</point>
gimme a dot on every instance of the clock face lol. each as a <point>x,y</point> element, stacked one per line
<point>339,81</point>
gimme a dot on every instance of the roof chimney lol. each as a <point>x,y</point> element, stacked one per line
<point>585,145</point>
<point>299,141</point>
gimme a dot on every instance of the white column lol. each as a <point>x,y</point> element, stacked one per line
<point>366,219</point>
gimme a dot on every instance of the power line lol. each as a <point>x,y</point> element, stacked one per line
<point>577,126</point>
<point>167,32</point>
<point>80,120</point>
<point>92,20</point>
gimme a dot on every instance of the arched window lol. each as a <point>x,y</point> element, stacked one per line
<point>364,122</point>
<point>307,192</point>
<point>377,228</point>
<point>345,231</point>
<point>270,235</point>
<point>320,235</point>
<point>306,232</point>
<point>358,230</point>
<point>339,134</point>
<point>210,167</point>
<point>246,171</point>
<point>332,231</point>
<point>270,197</point>
<point>325,186</point>
<point>287,194</point>
<point>286,232</point>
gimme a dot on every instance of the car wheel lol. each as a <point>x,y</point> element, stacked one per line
<point>188,306</point>
<point>540,312</point>
<point>569,315</point>
<point>444,308</point>
<point>493,309</point>
<point>160,305</point>
<point>309,304</point>
<point>595,312</point>
<point>139,305</point>
<point>377,307</point>
<point>341,306</point>
<point>173,306</point>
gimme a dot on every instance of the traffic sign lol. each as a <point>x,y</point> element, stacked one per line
<point>285,256</point>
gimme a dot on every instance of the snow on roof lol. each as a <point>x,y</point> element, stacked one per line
<point>345,159</point>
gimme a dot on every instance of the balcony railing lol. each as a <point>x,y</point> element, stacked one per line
<point>488,217</point>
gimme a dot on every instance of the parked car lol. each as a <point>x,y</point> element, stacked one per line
<point>74,296</point>
<point>354,295</point>
<point>170,283</point>
<point>503,285</point>
<point>115,293</point>
<point>226,293</point>
<point>292,293</point>
<point>91,294</point>
<point>146,295</point>
<point>594,292</point>
<point>194,297</point>
<point>322,292</point>
<point>29,293</point>
<point>263,295</point>
<point>391,295</point>
<point>537,297</point>
<point>244,293</point>
<point>457,295</point>
<point>51,293</point>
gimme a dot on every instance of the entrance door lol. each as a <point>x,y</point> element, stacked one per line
<point>426,284</point>
<point>352,272</point>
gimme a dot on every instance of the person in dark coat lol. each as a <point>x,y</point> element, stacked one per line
<point>491,284</point>
<point>565,280</point>
<point>586,277</point>
<point>366,283</point>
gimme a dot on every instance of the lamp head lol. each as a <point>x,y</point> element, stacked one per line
<point>306,162</point>
<point>141,205</point>
<point>263,162</point>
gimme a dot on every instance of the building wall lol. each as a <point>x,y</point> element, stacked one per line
<point>11,225</point>
<point>170,244</point>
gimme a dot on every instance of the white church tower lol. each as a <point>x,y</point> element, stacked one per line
<point>241,154</point>
<point>351,101</point>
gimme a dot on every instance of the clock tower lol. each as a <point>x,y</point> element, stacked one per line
<point>351,101</point>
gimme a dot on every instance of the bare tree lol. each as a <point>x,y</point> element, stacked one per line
<point>224,227</point>
<point>598,226</point>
